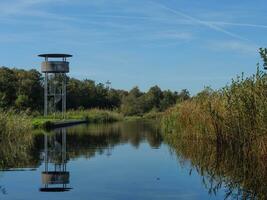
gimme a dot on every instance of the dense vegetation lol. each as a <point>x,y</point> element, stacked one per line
<point>23,90</point>
<point>222,134</point>
<point>15,139</point>
<point>233,115</point>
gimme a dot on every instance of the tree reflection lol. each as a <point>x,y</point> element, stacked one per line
<point>26,151</point>
<point>95,139</point>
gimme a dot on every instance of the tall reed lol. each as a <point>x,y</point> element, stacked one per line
<point>15,139</point>
<point>14,124</point>
<point>236,113</point>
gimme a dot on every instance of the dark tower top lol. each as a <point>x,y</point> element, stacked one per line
<point>55,66</point>
<point>55,55</point>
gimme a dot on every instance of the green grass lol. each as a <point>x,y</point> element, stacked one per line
<point>43,123</point>
<point>95,115</point>
<point>91,116</point>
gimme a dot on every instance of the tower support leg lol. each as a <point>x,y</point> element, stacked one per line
<point>45,93</point>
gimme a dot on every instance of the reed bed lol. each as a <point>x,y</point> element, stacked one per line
<point>15,138</point>
<point>14,124</point>
<point>235,114</point>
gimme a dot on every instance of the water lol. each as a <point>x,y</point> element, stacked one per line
<point>127,160</point>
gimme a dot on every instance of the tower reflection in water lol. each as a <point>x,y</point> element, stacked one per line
<point>55,177</point>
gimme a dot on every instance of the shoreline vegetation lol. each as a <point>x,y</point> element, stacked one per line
<point>222,135</point>
<point>12,120</point>
<point>235,115</point>
<point>90,116</point>
<point>15,122</point>
<point>21,93</point>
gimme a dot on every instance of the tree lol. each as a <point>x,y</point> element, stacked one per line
<point>8,86</point>
<point>22,102</point>
<point>263,53</point>
<point>131,104</point>
<point>183,95</point>
<point>29,91</point>
<point>168,100</point>
<point>23,90</point>
<point>113,99</point>
<point>153,98</point>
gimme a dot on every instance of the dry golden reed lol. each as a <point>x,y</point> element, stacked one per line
<point>235,114</point>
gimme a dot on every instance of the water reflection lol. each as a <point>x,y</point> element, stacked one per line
<point>55,176</point>
<point>18,152</point>
<point>87,141</point>
<point>235,172</point>
<point>240,173</point>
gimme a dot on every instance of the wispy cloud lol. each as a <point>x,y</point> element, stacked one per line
<point>30,8</point>
<point>138,21</point>
<point>238,24</point>
<point>235,46</point>
<point>204,23</point>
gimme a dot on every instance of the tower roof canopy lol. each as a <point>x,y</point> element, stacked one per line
<point>55,55</point>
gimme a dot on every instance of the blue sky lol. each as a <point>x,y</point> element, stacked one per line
<point>175,44</point>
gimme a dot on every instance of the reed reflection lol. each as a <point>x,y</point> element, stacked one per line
<point>240,173</point>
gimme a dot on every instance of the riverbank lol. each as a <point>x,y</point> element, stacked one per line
<point>12,121</point>
<point>234,115</point>
<point>77,116</point>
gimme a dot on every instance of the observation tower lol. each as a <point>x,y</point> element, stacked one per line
<point>55,67</point>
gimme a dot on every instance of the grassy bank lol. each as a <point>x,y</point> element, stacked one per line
<point>235,114</point>
<point>91,116</point>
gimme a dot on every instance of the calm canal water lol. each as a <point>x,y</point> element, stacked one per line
<point>127,160</point>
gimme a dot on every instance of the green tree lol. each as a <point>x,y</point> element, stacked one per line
<point>183,95</point>
<point>169,99</point>
<point>29,91</point>
<point>8,87</point>
<point>263,53</point>
<point>153,98</point>
<point>131,104</point>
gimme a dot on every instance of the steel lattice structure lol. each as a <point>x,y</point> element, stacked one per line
<point>55,83</point>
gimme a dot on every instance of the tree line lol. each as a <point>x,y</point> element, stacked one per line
<point>23,90</point>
